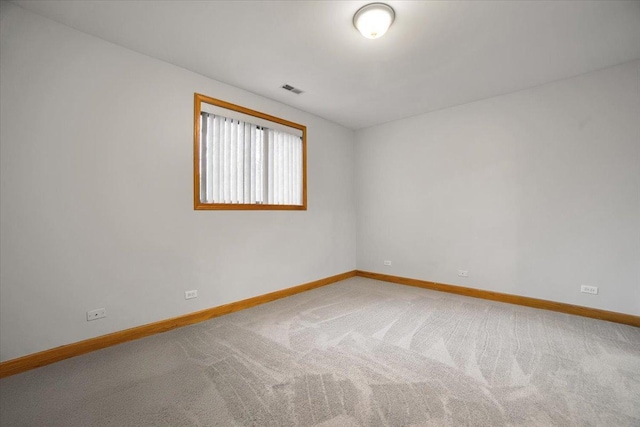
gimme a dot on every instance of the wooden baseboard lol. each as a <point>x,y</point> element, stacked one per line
<point>611,316</point>
<point>36,360</point>
<point>43,358</point>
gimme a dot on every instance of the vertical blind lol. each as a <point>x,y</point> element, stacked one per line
<point>244,163</point>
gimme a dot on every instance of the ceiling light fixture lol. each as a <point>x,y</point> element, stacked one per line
<point>374,19</point>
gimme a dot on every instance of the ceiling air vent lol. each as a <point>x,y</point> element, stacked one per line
<point>292,89</point>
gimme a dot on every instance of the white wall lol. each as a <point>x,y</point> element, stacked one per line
<point>96,183</point>
<point>535,192</point>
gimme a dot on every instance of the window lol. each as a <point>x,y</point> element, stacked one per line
<point>244,159</point>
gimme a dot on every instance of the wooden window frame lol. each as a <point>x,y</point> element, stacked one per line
<point>197,203</point>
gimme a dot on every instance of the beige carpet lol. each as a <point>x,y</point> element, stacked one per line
<point>355,353</point>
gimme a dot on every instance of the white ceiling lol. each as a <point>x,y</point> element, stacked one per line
<point>436,54</point>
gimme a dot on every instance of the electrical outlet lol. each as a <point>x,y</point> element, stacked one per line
<point>589,289</point>
<point>191,294</point>
<point>96,314</point>
<point>463,273</point>
<point>387,262</point>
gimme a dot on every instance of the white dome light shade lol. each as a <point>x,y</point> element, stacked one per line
<point>373,20</point>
